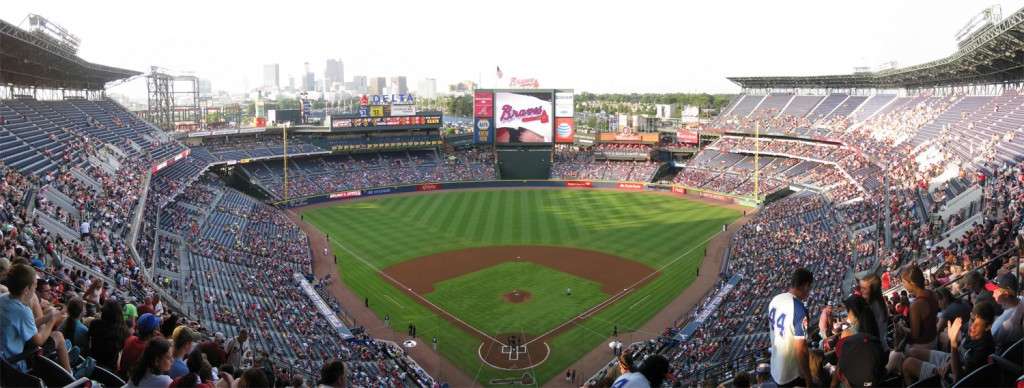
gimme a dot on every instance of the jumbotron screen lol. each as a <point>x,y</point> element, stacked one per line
<point>524,116</point>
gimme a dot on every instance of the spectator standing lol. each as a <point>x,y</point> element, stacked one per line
<point>236,347</point>
<point>787,318</point>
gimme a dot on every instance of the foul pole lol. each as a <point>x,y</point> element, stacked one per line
<point>284,136</point>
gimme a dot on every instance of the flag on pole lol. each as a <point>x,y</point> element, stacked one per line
<point>500,74</point>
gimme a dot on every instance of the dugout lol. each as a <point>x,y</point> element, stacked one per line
<point>524,162</point>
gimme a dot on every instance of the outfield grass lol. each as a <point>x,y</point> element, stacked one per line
<point>663,232</point>
<point>478,298</point>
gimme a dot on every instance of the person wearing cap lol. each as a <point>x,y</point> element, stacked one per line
<point>650,373</point>
<point>130,311</point>
<point>861,359</point>
<point>332,374</point>
<point>214,349</point>
<point>952,308</point>
<point>787,323</point>
<point>967,353</point>
<point>764,376</point>
<point>183,339</point>
<point>975,284</point>
<point>1008,327</point>
<point>145,330</point>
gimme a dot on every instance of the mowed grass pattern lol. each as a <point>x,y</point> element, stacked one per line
<point>652,229</point>
<point>479,298</point>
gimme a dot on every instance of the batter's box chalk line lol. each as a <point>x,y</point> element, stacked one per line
<point>513,353</point>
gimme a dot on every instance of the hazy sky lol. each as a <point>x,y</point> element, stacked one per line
<point>607,46</point>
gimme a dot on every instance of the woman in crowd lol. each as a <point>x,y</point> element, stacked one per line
<point>151,369</point>
<point>74,329</point>
<point>107,335</point>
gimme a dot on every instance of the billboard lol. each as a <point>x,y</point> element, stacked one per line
<point>563,104</point>
<point>565,130</point>
<point>483,130</point>
<point>523,117</point>
<point>403,110</point>
<point>483,104</point>
<point>422,121</point>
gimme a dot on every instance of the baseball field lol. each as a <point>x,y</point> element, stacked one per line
<point>519,282</point>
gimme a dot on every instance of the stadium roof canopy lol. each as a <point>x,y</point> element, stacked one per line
<point>31,59</point>
<point>994,55</point>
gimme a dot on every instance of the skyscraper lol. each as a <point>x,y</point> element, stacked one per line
<point>334,73</point>
<point>427,88</point>
<point>272,76</point>
<point>378,84</point>
<point>399,85</point>
<point>308,79</point>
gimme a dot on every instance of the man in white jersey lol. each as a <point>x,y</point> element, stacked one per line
<point>787,322</point>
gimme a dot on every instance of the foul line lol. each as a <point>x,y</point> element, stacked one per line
<point>638,302</point>
<point>382,273</point>
<point>394,301</point>
<point>583,315</point>
<point>624,292</point>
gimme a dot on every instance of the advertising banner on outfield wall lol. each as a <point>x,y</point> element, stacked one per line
<point>428,187</point>
<point>346,194</point>
<point>578,184</point>
<point>630,186</point>
<point>679,190</point>
<point>565,130</point>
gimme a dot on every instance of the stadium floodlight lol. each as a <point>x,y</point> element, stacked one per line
<point>54,31</point>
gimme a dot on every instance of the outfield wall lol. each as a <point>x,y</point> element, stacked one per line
<point>573,184</point>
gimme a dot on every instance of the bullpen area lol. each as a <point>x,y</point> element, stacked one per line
<point>515,285</point>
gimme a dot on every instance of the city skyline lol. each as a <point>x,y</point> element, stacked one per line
<point>639,47</point>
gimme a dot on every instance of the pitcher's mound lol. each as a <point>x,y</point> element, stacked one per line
<point>517,296</point>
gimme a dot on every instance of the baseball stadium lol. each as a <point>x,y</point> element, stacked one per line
<point>859,229</point>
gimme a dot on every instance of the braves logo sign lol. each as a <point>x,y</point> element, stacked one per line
<point>524,115</point>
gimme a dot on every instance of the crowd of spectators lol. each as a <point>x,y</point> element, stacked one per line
<point>329,174</point>
<point>599,163</point>
<point>973,275</point>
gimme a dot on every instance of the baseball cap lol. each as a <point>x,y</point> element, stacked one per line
<point>130,311</point>
<point>862,362</point>
<point>764,368</point>
<point>189,334</point>
<point>147,323</point>
<point>1006,280</point>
